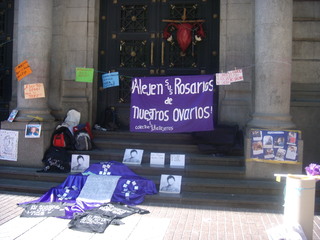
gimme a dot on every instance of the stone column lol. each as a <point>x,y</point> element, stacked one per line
<point>273,57</point>
<point>34,45</point>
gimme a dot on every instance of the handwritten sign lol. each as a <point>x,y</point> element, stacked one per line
<point>172,104</point>
<point>229,77</point>
<point>34,90</point>
<point>223,79</point>
<point>157,158</point>
<point>177,160</point>
<point>84,75</point>
<point>236,75</point>
<point>23,70</point>
<point>110,80</point>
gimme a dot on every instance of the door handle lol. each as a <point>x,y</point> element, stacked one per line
<point>162,53</point>
<point>152,53</point>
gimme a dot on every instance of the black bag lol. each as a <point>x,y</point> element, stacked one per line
<point>111,121</point>
<point>82,141</point>
<point>62,137</point>
<point>224,139</point>
<point>56,160</point>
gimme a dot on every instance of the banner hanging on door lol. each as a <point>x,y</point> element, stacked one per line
<point>172,104</point>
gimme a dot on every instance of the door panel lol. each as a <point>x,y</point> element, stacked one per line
<point>132,43</point>
<point>6,39</point>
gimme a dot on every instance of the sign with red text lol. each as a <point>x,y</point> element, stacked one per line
<point>34,90</point>
<point>223,79</point>
<point>236,75</point>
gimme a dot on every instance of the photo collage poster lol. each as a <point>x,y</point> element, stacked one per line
<point>275,146</point>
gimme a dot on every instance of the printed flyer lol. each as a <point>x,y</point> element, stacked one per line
<point>275,146</point>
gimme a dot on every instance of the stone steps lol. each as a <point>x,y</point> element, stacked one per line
<point>214,179</point>
<point>100,155</point>
<point>217,192</point>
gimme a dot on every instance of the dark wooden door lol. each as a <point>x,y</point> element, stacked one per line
<point>6,41</point>
<point>132,43</point>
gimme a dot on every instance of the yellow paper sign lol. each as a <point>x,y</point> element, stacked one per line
<point>35,90</point>
<point>23,70</point>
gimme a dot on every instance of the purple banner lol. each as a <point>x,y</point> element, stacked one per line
<point>172,104</point>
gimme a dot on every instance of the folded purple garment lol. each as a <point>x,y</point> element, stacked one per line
<point>131,188</point>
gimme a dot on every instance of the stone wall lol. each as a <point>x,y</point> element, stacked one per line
<point>236,51</point>
<point>75,44</point>
<point>305,98</point>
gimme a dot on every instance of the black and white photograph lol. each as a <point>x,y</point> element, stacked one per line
<point>79,163</point>
<point>170,183</point>
<point>132,156</point>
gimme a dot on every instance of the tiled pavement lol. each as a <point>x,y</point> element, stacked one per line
<point>168,221</point>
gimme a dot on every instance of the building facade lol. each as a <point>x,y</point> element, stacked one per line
<point>275,43</point>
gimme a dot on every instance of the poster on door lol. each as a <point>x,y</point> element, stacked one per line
<point>275,146</point>
<point>172,104</point>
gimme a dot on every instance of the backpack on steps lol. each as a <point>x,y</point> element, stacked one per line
<point>62,137</point>
<point>82,141</point>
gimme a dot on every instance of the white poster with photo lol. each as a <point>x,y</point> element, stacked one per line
<point>177,160</point>
<point>132,156</point>
<point>9,145</point>
<point>157,158</point>
<point>170,184</point>
<point>79,162</point>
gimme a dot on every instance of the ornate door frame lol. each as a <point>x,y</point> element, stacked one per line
<point>132,42</point>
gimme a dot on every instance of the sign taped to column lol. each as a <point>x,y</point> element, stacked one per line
<point>274,146</point>
<point>172,104</point>
<point>22,70</point>
<point>84,75</point>
<point>34,90</point>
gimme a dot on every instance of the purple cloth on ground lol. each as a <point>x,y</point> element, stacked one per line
<point>130,190</point>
